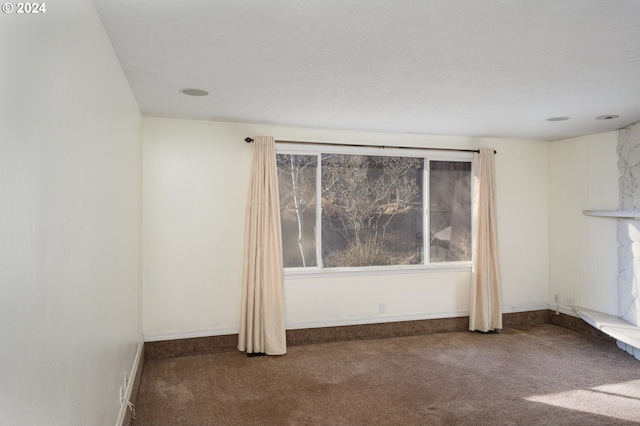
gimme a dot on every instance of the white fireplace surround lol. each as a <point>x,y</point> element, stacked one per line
<point>625,328</point>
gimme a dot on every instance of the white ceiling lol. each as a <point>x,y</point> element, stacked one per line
<point>479,68</point>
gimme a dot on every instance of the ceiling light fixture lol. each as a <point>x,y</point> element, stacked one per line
<point>557,118</point>
<point>194,92</point>
<point>607,117</point>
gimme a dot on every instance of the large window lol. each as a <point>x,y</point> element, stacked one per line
<point>373,208</point>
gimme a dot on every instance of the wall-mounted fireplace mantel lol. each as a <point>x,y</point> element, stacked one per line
<point>618,214</point>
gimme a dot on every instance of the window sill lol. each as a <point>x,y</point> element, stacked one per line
<point>295,273</point>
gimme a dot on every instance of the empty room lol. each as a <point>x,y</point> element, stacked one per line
<point>320,212</point>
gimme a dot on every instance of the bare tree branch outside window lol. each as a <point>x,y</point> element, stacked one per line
<point>372,210</point>
<point>368,201</point>
<point>297,187</point>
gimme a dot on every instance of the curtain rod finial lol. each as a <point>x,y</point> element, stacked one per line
<point>248,140</point>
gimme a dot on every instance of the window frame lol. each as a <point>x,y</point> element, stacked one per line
<point>426,266</point>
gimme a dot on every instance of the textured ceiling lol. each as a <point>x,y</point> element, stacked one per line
<point>479,68</point>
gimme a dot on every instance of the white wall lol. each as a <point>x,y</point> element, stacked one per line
<point>70,191</point>
<point>583,249</point>
<point>195,184</point>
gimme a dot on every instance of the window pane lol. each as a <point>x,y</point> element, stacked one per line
<point>371,210</point>
<point>297,187</point>
<point>450,211</point>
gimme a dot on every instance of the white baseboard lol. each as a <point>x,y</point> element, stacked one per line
<point>524,308</point>
<point>337,322</point>
<point>188,334</point>
<point>381,318</point>
<point>334,322</point>
<point>124,408</point>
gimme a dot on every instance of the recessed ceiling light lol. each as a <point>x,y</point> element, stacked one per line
<point>557,118</point>
<point>194,92</point>
<point>607,117</point>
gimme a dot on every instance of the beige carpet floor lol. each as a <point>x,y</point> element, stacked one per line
<point>542,375</point>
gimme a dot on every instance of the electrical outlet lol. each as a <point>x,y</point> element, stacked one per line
<point>556,298</point>
<point>570,301</point>
<point>382,308</point>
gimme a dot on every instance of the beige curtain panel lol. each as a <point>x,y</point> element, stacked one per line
<point>485,305</point>
<point>262,322</point>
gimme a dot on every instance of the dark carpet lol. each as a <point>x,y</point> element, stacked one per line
<point>540,375</point>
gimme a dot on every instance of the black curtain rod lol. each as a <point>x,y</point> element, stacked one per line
<point>249,140</point>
